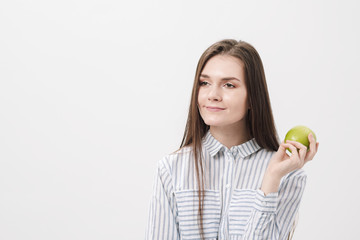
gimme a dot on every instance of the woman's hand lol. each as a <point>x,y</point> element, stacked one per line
<point>281,163</point>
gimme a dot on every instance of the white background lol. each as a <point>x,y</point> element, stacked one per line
<point>94,93</point>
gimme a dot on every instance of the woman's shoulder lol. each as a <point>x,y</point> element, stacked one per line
<point>264,153</point>
<point>181,151</point>
<point>170,160</point>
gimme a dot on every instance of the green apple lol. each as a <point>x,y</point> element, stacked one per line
<point>299,134</point>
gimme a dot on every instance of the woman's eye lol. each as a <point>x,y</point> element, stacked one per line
<point>203,83</point>
<point>229,85</point>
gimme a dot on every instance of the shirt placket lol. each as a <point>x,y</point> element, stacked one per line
<point>227,187</point>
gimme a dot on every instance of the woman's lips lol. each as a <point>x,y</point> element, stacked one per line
<point>214,109</point>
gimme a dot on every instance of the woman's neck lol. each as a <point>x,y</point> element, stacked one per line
<point>230,136</point>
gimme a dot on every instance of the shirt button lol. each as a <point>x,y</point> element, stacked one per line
<point>227,186</point>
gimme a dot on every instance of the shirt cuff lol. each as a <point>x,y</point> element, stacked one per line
<point>266,203</point>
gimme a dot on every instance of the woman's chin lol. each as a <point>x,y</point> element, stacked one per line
<point>215,123</point>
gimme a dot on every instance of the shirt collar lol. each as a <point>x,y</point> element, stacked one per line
<point>213,146</point>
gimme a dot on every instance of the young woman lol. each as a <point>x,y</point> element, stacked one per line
<point>231,178</point>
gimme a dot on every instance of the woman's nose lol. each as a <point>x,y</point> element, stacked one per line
<point>215,94</point>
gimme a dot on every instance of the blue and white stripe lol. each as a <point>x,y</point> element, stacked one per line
<point>234,206</point>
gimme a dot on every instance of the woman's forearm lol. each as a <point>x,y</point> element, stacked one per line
<point>270,183</point>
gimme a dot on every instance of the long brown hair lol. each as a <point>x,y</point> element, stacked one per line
<point>259,119</point>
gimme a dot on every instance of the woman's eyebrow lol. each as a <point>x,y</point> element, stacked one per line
<point>222,79</point>
<point>230,78</point>
<point>204,76</point>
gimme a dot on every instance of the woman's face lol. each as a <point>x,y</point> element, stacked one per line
<point>222,96</point>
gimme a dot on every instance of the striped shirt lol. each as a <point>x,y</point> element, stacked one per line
<point>234,206</point>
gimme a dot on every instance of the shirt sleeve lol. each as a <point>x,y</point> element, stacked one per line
<point>162,223</point>
<point>274,214</point>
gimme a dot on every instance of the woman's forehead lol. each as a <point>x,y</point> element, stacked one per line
<point>223,66</point>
